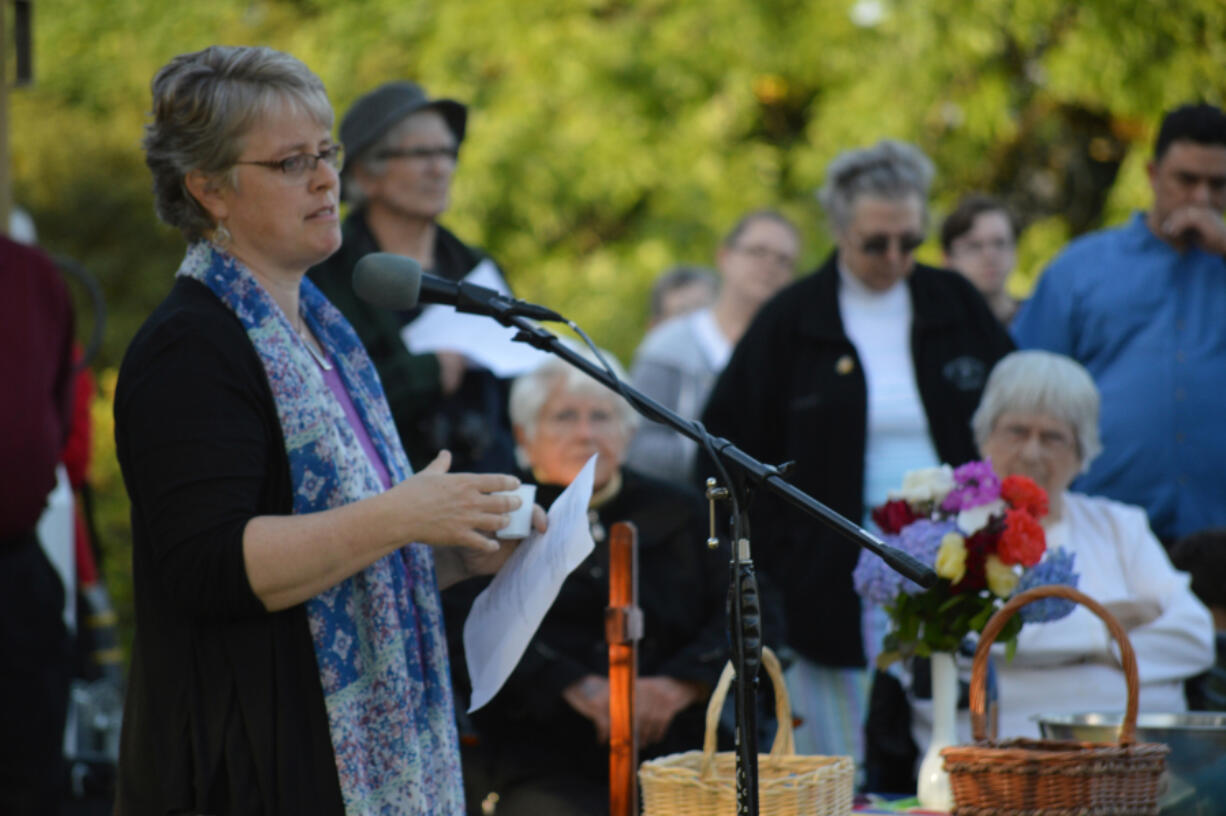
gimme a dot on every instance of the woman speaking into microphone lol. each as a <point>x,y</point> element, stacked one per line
<point>289,654</point>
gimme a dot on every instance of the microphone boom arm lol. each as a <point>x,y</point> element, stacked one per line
<point>752,470</point>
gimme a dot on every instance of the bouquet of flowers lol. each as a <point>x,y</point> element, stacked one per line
<point>983,538</point>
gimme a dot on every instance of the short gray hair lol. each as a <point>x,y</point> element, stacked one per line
<point>889,169</point>
<point>203,104</point>
<point>531,391</point>
<point>1042,382</point>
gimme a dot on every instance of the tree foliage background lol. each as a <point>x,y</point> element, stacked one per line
<point>609,139</point>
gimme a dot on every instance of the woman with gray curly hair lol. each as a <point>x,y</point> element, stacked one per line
<point>289,653</point>
<point>867,368</point>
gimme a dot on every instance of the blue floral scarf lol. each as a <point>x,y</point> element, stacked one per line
<point>379,637</point>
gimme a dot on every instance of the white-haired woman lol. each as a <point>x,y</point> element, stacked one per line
<point>867,368</point>
<point>544,736</point>
<point>1039,418</point>
<point>289,655</point>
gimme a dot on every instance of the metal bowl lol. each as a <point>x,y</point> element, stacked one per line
<point>1196,766</point>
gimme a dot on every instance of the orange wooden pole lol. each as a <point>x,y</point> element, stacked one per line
<point>623,628</point>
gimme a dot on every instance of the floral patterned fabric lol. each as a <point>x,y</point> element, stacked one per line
<point>379,638</point>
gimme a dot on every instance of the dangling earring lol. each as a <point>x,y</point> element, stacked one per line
<point>221,235</point>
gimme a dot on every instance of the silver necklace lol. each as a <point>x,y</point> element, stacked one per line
<point>310,346</point>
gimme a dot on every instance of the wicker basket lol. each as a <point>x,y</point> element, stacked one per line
<point>702,783</point>
<point>1027,777</point>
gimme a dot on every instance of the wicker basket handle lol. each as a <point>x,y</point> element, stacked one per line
<point>784,745</point>
<point>979,669</point>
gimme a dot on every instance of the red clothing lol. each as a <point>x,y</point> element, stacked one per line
<point>36,369</point>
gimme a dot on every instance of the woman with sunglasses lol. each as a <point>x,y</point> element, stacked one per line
<point>289,654</point>
<point>865,369</point>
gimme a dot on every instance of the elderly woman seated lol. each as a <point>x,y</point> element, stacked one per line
<point>543,738</point>
<point>1039,418</point>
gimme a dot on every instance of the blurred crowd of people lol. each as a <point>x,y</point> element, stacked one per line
<point>283,441</point>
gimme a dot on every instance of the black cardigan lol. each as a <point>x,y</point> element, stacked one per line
<point>795,390</point>
<point>224,710</point>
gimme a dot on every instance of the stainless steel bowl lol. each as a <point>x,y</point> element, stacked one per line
<point>1196,766</point>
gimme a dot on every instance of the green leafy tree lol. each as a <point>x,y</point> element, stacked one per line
<point>611,138</point>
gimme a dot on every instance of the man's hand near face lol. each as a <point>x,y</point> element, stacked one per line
<point>1196,225</point>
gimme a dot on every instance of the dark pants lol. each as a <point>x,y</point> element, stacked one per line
<point>35,667</point>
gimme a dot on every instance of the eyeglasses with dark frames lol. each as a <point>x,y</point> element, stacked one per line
<point>880,244</point>
<point>298,165</point>
<point>419,153</point>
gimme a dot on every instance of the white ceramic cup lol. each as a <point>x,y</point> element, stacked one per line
<point>521,519</point>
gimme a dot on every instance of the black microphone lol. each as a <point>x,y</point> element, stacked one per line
<point>392,281</point>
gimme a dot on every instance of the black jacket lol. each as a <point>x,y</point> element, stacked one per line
<point>795,390</point>
<point>472,423</point>
<point>528,727</point>
<point>224,710</point>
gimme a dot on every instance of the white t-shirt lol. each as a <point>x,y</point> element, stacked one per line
<point>879,326</point>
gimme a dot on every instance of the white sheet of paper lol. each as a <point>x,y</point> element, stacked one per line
<point>507,613</point>
<point>481,339</point>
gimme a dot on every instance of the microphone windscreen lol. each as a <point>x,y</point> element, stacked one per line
<point>387,280</point>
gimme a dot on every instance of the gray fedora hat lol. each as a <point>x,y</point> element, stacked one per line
<point>373,114</point>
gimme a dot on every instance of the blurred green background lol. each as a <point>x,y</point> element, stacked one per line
<point>610,139</point>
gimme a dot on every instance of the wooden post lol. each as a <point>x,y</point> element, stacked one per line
<point>623,629</point>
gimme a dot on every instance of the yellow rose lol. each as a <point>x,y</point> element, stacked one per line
<point>951,558</point>
<point>1002,580</point>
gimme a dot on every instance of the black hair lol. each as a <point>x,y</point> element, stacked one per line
<point>1203,124</point>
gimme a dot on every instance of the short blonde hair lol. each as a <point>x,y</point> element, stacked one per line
<point>203,104</point>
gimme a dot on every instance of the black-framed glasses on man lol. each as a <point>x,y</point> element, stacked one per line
<point>419,153</point>
<point>297,166</point>
<point>880,244</point>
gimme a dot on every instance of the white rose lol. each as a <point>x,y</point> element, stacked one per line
<point>975,519</point>
<point>926,484</point>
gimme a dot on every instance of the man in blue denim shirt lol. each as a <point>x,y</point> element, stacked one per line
<point>1143,307</point>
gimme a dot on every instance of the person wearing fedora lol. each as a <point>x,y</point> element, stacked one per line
<point>401,149</point>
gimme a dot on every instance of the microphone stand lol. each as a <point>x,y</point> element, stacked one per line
<point>748,474</point>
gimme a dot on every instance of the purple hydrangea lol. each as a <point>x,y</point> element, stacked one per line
<point>975,484</point>
<point>873,579</point>
<point>878,582</point>
<point>1056,568</point>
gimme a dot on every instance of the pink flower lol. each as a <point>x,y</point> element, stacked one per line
<point>974,484</point>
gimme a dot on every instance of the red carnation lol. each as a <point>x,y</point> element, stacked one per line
<point>1023,541</point>
<point>892,516</point>
<point>1022,493</point>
